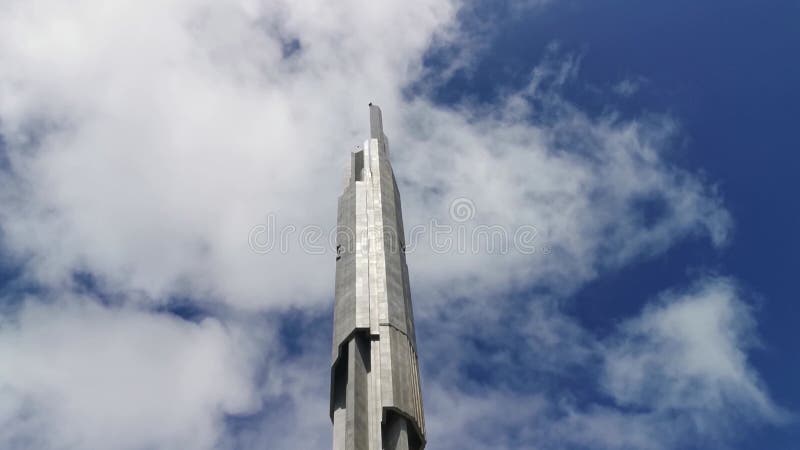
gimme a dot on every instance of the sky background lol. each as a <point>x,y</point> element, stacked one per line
<point>650,145</point>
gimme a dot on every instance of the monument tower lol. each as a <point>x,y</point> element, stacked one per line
<point>376,402</point>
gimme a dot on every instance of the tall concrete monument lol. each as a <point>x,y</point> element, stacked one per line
<point>376,402</point>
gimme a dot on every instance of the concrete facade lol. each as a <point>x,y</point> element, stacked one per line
<point>376,401</point>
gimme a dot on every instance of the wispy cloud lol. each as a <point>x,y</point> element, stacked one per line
<point>628,87</point>
<point>675,374</point>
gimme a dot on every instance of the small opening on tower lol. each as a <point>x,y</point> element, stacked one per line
<point>358,166</point>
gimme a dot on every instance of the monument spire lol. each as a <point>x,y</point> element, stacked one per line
<point>376,401</point>
<point>375,122</point>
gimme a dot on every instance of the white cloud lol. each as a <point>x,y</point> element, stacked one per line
<point>147,138</point>
<point>579,180</point>
<point>677,373</point>
<point>689,352</point>
<point>145,158</point>
<point>79,375</point>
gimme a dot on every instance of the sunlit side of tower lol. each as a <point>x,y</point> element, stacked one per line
<point>376,401</point>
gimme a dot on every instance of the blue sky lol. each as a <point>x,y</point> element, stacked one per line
<point>650,145</point>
